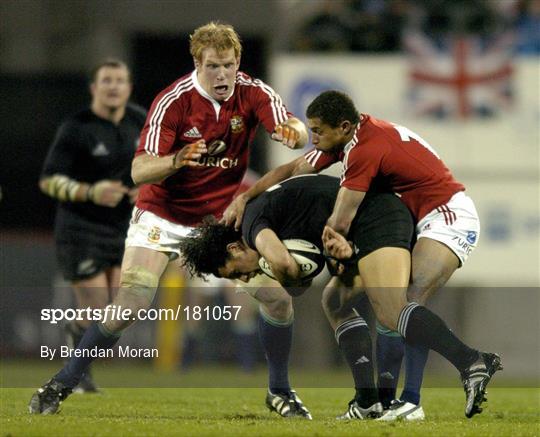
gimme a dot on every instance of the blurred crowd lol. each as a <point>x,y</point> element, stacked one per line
<point>377,25</point>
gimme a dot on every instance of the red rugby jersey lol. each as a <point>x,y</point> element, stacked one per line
<point>396,156</point>
<point>184,113</point>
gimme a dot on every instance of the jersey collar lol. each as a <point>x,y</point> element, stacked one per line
<point>354,139</point>
<point>203,93</point>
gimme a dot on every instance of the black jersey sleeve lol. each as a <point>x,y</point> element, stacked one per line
<point>64,148</point>
<point>255,220</point>
<point>137,112</point>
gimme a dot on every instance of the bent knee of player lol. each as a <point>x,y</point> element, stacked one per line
<point>330,302</point>
<point>280,309</point>
<point>387,314</point>
<point>117,325</point>
<point>138,287</point>
<point>425,283</point>
<point>387,319</point>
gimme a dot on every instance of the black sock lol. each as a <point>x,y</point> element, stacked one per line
<point>421,326</point>
<point>94,338</point>
<point>390,350</point>
<point>276,342</point>
<point>354,341</point>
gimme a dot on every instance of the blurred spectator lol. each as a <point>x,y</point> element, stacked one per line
<point>528,27</point>
<point>377,25</point>
<point>353,25</point>
<point>325,31</point>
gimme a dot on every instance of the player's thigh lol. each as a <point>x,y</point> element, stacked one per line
<point>275,301</point>
<point>385,274</point>
<point>446,237</point>
<point>147,259</point>
<point>433,263</point>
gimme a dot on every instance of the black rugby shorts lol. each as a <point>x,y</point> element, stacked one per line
<point>383,221</point>
<point>82,261</point>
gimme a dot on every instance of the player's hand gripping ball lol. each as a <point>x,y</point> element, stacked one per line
<point>307,255</point>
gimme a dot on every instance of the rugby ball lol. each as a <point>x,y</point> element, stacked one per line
<point>306,254</point>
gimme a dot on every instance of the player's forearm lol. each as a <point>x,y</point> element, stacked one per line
<point>65,189</point>
<point>340,224</point>
<point>301,129</point>
<point>147,169</point>
<point>282,264</point>
<point>287,272</point>
<point>345,209</point>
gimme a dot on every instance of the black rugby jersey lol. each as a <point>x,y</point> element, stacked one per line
<point>89,148</point>
<point>296,208</point>
<point>300,207</point>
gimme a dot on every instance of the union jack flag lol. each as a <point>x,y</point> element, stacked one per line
<point>461,77</point>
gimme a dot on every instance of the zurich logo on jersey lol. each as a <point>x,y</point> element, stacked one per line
<point>471,237</point>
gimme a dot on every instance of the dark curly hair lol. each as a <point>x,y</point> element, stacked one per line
<point>332,108</point>
<point>204,250</point>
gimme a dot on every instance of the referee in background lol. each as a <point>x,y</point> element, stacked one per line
<point>87,170</point>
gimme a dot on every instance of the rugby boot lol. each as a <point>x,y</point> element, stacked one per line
<point>287,405</point>
<point>401,410</point>
<point>47,399</point>
<point>355,411</point>
<point>475,380</point>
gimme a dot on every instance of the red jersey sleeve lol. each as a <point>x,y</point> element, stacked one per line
<point>159,131</point>
<point>361,164</point>
<point>320,160</point>
<point>268,106</point>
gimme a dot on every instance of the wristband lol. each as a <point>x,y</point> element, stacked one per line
<point>63,188</point>
<point>333,263</point>
<point>174,160</point>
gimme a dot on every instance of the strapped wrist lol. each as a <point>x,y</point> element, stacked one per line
<point>175,155</point>
<point>90,194</point>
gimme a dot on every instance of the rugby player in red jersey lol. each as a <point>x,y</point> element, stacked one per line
<point>376,153</point>
<point>192,156</point>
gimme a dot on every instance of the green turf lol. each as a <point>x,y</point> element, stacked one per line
<point>186,410</point>
<point>241,412</point>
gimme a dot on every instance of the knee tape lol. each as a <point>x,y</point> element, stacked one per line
<point>140,281</point>
<point>383,330</point>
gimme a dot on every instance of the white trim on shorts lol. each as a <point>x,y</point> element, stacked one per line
<point>455,224</point>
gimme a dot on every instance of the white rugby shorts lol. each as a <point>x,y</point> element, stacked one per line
<point>455,224</point>
<point>153,232</point>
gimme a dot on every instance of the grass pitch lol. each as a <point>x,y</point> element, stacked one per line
<point>230,411</point>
